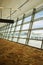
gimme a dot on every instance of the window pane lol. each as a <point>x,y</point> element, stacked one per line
<point>19,22</point>
<point>15,34</point>
<point>38,24</point>
<point>25,26</point>
<point>15,39</point>
<point>35,43</point>
<point>9,29</point>
<point>6,37</point>
<point>17,28</point>
<point>10,38</point>
<point>23,34</point>
<point>39,14</point>
<point>22,41</point>
<point>14,24</point>
<point>27,19</point>
<point>12,29</point>
<point>10,25</point>
<point>37,34</point>
<point>11,33</point>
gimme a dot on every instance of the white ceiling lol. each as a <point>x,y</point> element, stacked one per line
<point>15,4</point>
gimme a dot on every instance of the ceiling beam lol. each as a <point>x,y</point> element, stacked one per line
<point>6,21</point>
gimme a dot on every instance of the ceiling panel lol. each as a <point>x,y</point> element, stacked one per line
<point>15,4</point>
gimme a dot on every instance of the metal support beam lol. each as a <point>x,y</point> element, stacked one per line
<point>6,21</point>
<point>30,26</point>
<point>21,28</point>
<point>14,29</point>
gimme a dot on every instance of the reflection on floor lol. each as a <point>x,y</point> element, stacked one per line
<point>17,54</point>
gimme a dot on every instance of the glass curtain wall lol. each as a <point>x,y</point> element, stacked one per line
<point>19,30</point>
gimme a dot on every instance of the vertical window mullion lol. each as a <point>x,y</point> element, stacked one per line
<point>3,33</point>
<point>7,30</point>
<point>14,29</point>
<point>21,27</point>
<point>10,31</point>
<point>30,26</point>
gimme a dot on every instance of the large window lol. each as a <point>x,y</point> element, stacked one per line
<point>35,43</point>
<point>37,34</point>
<point>19,22</point>
<point>16,34</point>
<point>25,27</point>
<point>39,14</point>
<point>23,34</point>
<point>17,28</point>
<point>14,24</point>
<point>13,29</point>
<point>28,30</point>
<point>27,19</point>
<point>14,39</point>
<point>38,24</point>
<point>22,41</point>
